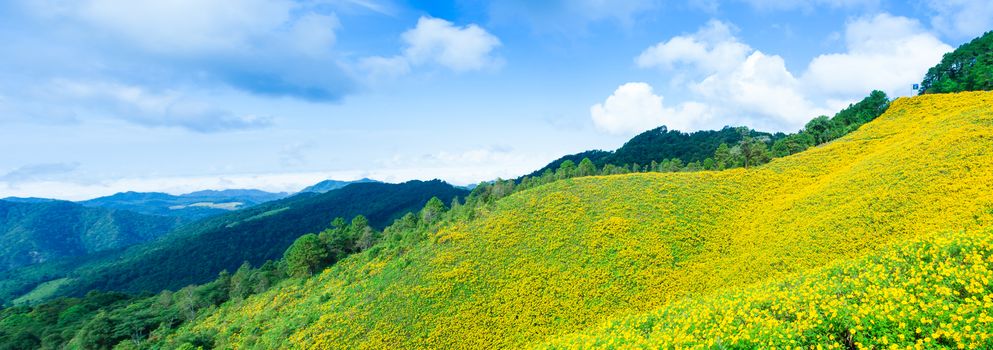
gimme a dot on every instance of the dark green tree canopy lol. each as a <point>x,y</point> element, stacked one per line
<point>306,255</point>
<point>968,68</point>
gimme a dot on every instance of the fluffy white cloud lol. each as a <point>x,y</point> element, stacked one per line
<point>267,47</point>
<point>746,86</point>
<point>884,52</point>
<point>458,48</point>
<point>962,18</point>
<point>634,107</point>
<point>712,48</point>
<point>437,41</point>
<point>762,88</point>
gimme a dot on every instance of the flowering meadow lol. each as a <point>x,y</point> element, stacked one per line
<point>931,293</point>
<point>879,238</point>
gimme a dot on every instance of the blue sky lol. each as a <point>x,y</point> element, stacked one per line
<point>101,96</point>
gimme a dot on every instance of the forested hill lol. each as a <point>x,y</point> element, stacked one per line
<point>41,231</point>
<point>197,252</point>
<point>968,68</point>
<point>661,144</point>
<point>190,206</point>
<point>328,185</point>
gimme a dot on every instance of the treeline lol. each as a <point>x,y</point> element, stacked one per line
<point>968,68</point>
<point>752,148</point>
<point>661,144</point>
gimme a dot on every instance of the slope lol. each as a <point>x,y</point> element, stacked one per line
<point>567,256</point>
<point>36,232</point>
<point>197,252</point>
<point>934,292</point>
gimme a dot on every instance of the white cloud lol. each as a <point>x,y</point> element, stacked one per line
<point>461,168</point>
<point>712,48</point>
<point>141,106</point>
<point>440,42</point>
<point>884,52</point>
<point>962,18</point>
<point>266,47</point>
<point>746,86</point>
<point>458,48</point>
<point>187,25</point>
<point>464,166</point>
<point>36,172</point>
<point>760,87</point>
<point>634,107</point>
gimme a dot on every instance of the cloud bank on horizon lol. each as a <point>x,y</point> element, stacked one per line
<point>175,95</point>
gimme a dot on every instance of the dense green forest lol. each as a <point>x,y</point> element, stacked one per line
<point>33,233</point>
<point>968,68</point>
<point>661,144</point>
<point>196,252</point>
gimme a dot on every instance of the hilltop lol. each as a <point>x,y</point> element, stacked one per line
<point>190,206</point>
<point>569,256</point>
<point>328,185</point>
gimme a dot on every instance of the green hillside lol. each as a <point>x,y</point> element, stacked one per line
<point>38,232</point>
<point>195,253</point>
<point>570,256</point>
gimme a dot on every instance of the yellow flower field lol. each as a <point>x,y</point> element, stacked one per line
<point>774,256</point>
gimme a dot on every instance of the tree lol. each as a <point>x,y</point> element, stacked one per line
<point>432,210</point>
<point>709,164</point>
<point>98,333</point>
<point>306,256</point>
<point>241,282</point>
<point>586,168</point>
<point>968,68</point>
<point>820,129</point>
<point>566,169</point>
<point>792,144</point>
<point>723,157</point>
<point>864,111</point>
<point>754,151</point>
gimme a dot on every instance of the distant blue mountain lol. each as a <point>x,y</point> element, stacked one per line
<point>329,185</point>
<point>27,200</point>
<point>191,206</point>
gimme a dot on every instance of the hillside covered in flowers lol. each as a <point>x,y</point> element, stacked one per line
<point>880,237</point>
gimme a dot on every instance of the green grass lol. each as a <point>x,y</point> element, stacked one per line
<point>42,292</point>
